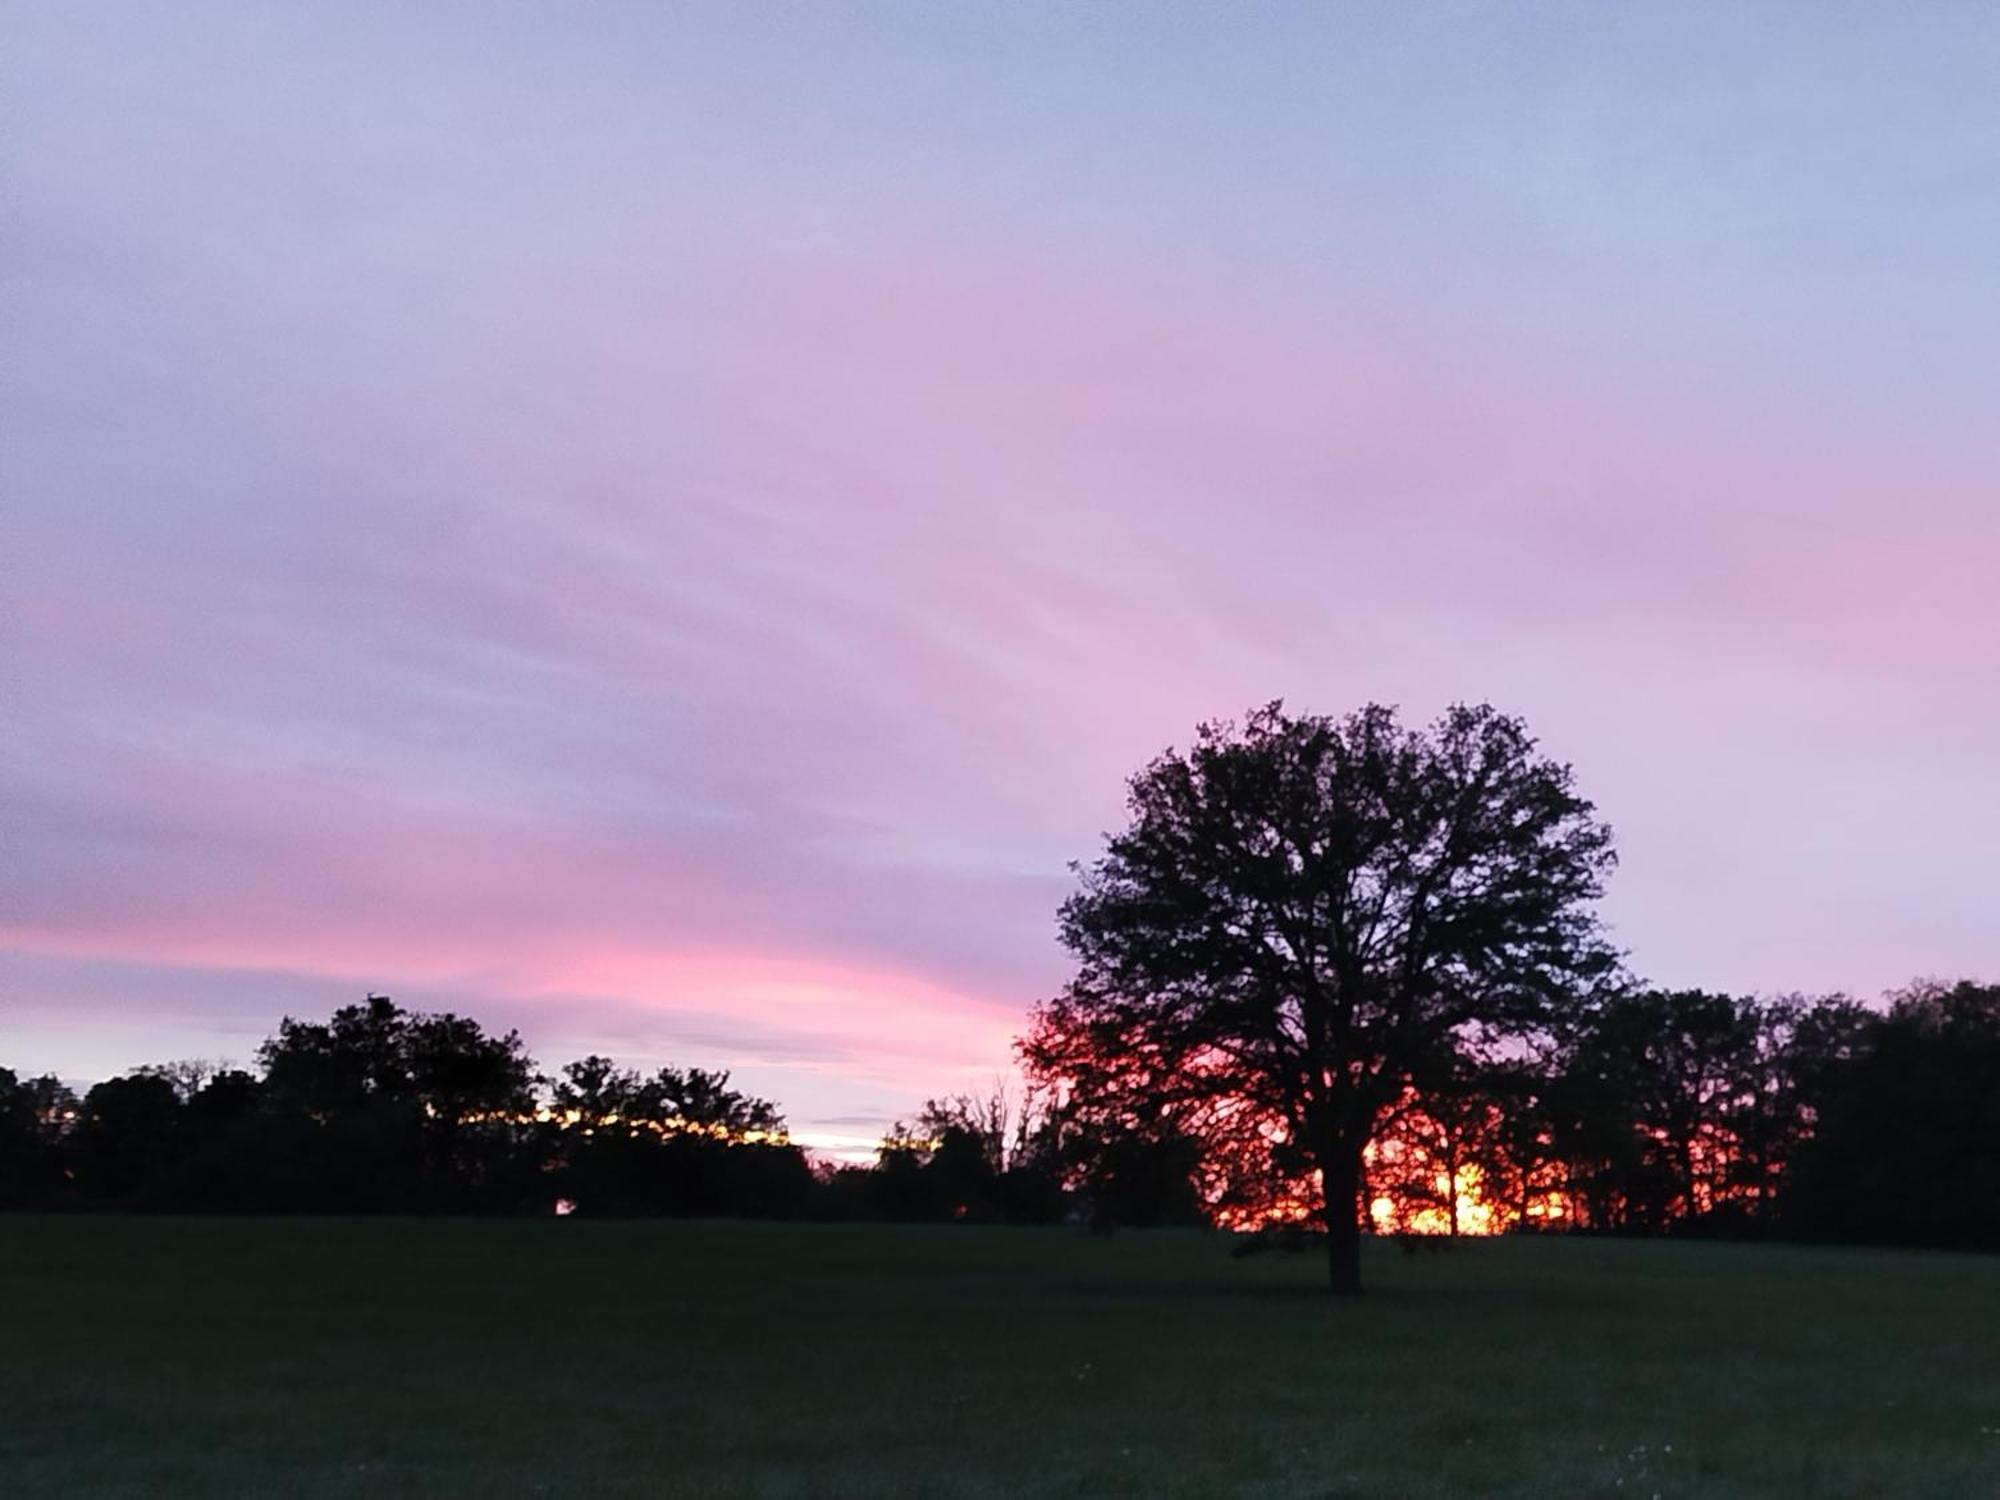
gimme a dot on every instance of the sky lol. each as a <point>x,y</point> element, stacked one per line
<point>669,526</point>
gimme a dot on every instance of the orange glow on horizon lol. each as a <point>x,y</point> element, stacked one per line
<point>1436,1202</point>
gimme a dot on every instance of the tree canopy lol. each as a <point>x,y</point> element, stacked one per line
<point>1306,914</point>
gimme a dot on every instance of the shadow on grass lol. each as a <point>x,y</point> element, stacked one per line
<point>1213,1291</point>
<point>1527,1296</point>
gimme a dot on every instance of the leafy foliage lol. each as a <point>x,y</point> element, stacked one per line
<point>1302,916</point>
<point>1908,1146</point>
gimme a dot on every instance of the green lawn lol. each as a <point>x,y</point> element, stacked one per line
<point>149,1357</point>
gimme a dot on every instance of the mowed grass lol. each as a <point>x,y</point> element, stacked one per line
<point>164,1357</point>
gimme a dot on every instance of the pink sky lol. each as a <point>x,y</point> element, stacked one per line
<point>669,531</point>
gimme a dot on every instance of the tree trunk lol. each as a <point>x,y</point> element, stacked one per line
<point>1451,1189</point>
<point>1340,1178</point>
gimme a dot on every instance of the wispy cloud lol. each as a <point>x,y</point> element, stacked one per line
<point>682,571</point>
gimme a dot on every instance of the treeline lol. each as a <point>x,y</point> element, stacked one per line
<point>1647,1112</point>
<point>384,1110</point>
<point>1654,1112</point>
<point>1682,1112</point>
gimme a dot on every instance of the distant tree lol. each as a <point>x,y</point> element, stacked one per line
<point>982,1158</point>
<point>187,1075</point>
<point>682,1141</point>
<point>127,1135</point>
<point>37,1116</point>
<point>409,1110</point>
<point>901,1187</point>
<point>228,1154</point>
<point>1530,1174</point>
<point>1801,1046</point>
<point>595,1093</point>
<point>1304,912</point>
<point>444,1066</point>
<point>982,1122</point>
<point>1907,1147</point>
<point>703,1103</point>
<point>1018,1146</point>
<point>460,1075</point>
<point>1662,1083</point>
<point>962,1147</point>
<point>1680,1109</point>
<point>225,1098</point>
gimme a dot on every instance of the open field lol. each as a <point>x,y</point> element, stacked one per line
<point>384,1358</point>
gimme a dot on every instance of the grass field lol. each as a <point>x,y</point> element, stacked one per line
<point>353,1358</point>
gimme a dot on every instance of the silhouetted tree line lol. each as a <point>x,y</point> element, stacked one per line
<point>999,1160</point>
<point>383,1110</point>
<point>1683,1112</point>
<point>1657,1112</point>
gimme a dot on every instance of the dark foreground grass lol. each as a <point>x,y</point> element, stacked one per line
<point>159,1357</point>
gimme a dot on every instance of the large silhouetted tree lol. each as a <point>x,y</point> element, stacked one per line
<point>1304,913</point>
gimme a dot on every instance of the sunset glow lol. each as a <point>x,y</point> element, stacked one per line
<point>1470,1212</point>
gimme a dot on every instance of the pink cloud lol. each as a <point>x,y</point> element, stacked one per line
<point>762,645</point>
